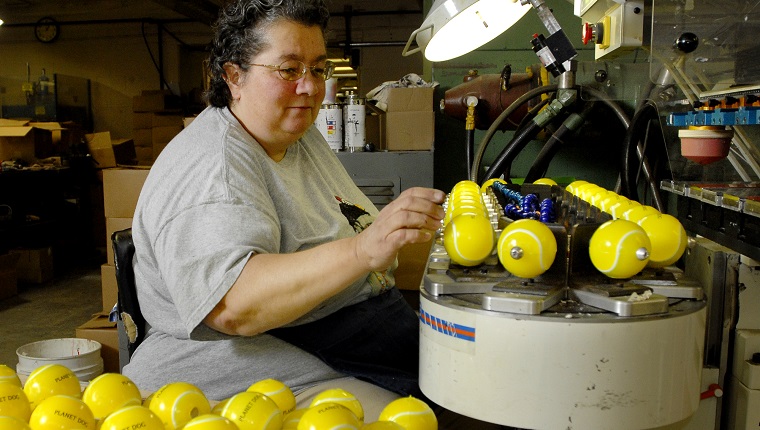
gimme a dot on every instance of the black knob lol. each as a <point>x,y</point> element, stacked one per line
<point>686,42</point>
<point>600,76</point>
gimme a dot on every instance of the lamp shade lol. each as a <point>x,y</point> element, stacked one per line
<point>455,27</point>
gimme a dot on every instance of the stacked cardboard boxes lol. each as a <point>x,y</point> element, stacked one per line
<point>157,118</point>
<point>121,188</point>
<point>409,120</point>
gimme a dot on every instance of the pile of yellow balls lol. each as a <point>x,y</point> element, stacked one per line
<point>636,237</point>
<point>52,399</point>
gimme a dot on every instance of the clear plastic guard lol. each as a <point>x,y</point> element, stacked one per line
<point>724,60</point>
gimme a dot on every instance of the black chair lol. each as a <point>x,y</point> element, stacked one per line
<point>127,306</point>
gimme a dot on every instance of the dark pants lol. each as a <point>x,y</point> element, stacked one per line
<point>376,341</point>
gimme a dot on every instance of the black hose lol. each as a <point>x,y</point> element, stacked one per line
<point>554,143</point>
<point>503,163</point>
<point>497,123</point>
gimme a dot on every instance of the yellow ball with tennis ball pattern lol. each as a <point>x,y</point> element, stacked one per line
<point>411,413</point>
<point>277,391</point>
<point>176,403</point>
<point>60,412</point>
<point>619,248</point>
<point>341,397</point>
<point>668,238</point>
<point>545,181</point>
<point>9,375</point>
<point>13,402</point>
<point>383,425</point>
<point>572,187</point>
<point>290,420</point>
<point>527,248</point>
<point>253,411</point>
<point>329,416</point>
<point>49,380</point>
<point>637,213</point>
<point>132,417</point>
<point>109,392</point>
<point>468,239</point>
<point>210,422</point>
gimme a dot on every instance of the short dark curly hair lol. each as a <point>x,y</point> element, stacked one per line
<point>239,35</point>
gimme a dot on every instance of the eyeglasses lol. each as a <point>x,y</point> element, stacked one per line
<point>293,70</point>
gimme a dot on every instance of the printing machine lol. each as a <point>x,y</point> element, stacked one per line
<point>569,348</point>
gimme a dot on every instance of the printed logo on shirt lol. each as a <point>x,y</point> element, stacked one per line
<point>359,219</point>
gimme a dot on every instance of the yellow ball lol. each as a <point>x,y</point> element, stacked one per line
<point>468,239</point>
<point>61,412</point>
<point>253,411</point>
<point>132,417</point>
<point>487,184</point>
<point>277,391</point>
<point>572,187</point>
<point>637,213</point>
<point>668,238</point>
<point>9,375</point>
<point>13,402</point>
<point>176,403</point>
<point>109,392</point>
<point>217,408</point>
<point>465,185</point>
<point>13,423</point>
<point>411,413</point>
<point>329,416</point>
<point>210,422</point>
<point>527,248</point>
<point>609,200</point>
<point>49,380</point>
<point>618,209</point>
<point>383,425</point>
<point>545,181</point>
<point>291,420</point>
<point>341,397</point>
<point>619,248</point>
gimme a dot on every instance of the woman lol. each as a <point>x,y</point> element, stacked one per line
<point>249,225</point>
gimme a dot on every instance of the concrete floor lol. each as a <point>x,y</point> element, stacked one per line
<point>48,311</point>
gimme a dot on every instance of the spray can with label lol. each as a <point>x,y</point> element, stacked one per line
<point>354,116</point>
<point>330,124</point>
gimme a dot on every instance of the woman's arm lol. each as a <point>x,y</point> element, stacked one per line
<point>276,289</point>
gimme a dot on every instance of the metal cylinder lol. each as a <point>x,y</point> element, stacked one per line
<point>354,116</point>
<point>330,124</point>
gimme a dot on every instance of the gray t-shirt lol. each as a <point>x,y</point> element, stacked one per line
<point>211,200</point>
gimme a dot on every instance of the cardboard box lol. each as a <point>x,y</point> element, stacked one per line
<point>142,120</point>
<point>8,276</point>
<point>109,288</point>
<point>409,99</point>
<point>409,121</point>
<point>101,149</point>
<point>35,265</point>
<point>412,259</point>
<point>156,101</point>
<point>26,143</point>
<point>143,137</point>
<point>100,329</point>
<point>408,131</point>
<point>144,155</point>
<point>112,225</point>
<point>166,120</point>
<point>124,152</point>
<point>121,188</point>
<point>162,135</point>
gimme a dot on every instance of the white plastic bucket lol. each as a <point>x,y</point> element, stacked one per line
<point>81,356</point>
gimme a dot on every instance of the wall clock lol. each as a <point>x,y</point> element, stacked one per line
<point>47,30</point>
